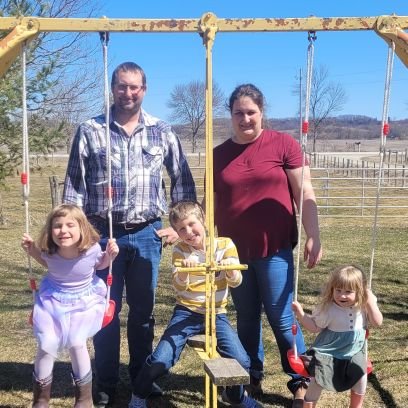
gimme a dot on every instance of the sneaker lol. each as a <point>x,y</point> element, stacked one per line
<point>254,388</point>
<point>104,397</point>
<point>247,402</point>
<point>298,389</point>
<point>156,391</point>
<point>137,402</point>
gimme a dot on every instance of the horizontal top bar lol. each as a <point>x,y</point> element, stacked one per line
<point>193,25</point>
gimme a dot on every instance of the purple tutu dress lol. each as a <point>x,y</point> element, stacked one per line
<point>70,303</point>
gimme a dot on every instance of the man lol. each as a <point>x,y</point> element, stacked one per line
<point>140,146</point>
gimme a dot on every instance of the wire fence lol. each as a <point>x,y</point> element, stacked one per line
<point>346,187</point>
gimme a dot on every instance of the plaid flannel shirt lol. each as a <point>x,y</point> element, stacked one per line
<point>137,161</point>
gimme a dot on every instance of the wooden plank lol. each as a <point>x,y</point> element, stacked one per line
<point>225,372</point>
<point>197,341</point>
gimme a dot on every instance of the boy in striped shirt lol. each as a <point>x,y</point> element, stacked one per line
<point>187,219</point>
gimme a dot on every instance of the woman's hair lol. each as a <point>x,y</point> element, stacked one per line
<point>183,209</point>
<point>250,91</point>
<point>88,235</point>
<point>349,277</point>
<point>127,67</point>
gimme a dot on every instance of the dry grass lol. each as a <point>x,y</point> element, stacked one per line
<point>344,241</point>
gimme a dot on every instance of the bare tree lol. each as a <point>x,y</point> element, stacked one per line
<point>187,104</point>
<point>61,81</point>
<point>326,99</point>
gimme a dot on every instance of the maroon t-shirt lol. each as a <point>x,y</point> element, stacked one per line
<point>254,202</point>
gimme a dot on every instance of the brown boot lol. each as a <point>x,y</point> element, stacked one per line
<point>83,392</point>
<point>41,391</point>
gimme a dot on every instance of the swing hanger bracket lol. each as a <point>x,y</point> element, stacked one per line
<point>104,36</point>
<point>10,46</point>
<point>388,29</point>
<point>208,27</point>
<point>311,36</point>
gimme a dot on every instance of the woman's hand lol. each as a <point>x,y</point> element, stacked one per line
<point>313,252</point>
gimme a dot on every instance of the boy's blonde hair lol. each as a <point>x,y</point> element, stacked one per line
<point>349,277</point>
<point>183,209</point>
<point>88,235</point>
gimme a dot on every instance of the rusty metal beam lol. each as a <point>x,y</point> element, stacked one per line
<point>192,25</point>
<point>27,27</point>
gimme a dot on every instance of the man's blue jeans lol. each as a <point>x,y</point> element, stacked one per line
<point>268,282</point>
<point>137,267</point>
<point>184,324</point>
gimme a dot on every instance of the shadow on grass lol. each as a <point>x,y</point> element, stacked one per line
<point>385,396</point>
<point>276,400</point>
<point>18,377</point>
<point>179,390</point>
<point>399,316</point>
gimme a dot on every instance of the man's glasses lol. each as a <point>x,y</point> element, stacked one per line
<point>134,89</point>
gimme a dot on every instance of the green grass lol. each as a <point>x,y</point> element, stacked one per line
<point>344,240</point>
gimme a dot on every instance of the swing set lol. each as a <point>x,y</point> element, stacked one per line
<point>21,30</point>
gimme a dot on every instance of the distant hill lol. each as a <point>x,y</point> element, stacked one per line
<point>343,127</point>
<point>347,127</point>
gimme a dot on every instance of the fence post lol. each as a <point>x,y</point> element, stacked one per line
<point>327,186</point>
<point>362,190</point>
<point>55,192</point>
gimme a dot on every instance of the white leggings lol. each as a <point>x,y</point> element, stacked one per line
<point>314,390</point>
<point>80,360</point>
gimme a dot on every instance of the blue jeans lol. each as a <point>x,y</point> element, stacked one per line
<point>137,267</point>
<point>184,324</point>
<point>268,282</point>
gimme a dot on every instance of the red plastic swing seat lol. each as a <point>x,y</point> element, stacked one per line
<point>109,313</point>
<point>297,364</point>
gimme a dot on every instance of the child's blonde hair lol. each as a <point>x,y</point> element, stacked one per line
<point>349,277</point>
<point>183,209</point>
<point>88,235</point>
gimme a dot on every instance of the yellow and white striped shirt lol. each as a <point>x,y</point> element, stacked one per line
<point>191,293</point>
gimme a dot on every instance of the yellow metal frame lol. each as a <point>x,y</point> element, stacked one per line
<point>24,29</point>
<point>21,28</point>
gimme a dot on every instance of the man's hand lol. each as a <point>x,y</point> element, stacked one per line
<point>168,234</point>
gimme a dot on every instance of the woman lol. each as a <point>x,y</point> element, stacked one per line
<point>257,179</point>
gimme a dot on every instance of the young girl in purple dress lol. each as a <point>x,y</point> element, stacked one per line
<point>70,304</point>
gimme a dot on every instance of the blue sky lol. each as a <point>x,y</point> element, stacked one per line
<point>356,60</point>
